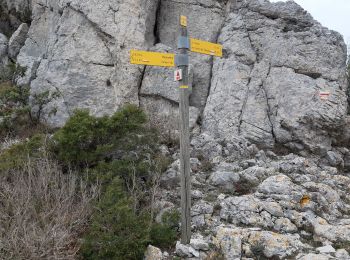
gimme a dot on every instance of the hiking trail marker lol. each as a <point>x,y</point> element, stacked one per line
<point>178,75</point>
<point>324,95</point>
<point>181,60</point>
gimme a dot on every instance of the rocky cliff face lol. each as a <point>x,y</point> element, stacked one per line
<point>266,87</point>
<point>264,93</point>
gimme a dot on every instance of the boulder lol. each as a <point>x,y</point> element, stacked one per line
<point>186,250</point>
<point>199,244</point>
<point>335,159</point>
<point>325,249</point>
<point>313,257</point>
<point>17,40</point>
<point>153,253</point>
<point>265,243</point>
<point>285,225</point>
<point>280,185</point>
<point>224,180</point>
<point>342,254</point>
<point>246,210</point>
<point>229,242</point>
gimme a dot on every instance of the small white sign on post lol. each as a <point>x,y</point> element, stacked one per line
<point>178,75</point>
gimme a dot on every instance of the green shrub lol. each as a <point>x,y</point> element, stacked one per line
<point>116,231</point>
<point>17,113</point>
<point>165,234</point>
<point>162,236</point>
<point>85,140</point>
<point>122,154</point>
<point>17,155</point>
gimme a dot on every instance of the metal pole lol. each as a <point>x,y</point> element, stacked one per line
<point>184,143</point>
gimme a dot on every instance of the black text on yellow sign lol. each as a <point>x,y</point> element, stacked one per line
<point>152,58</point>
<point>206,47</point>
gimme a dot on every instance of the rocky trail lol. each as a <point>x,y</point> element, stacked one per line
<point>265,205</point>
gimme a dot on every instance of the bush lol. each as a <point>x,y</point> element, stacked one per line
<point>85,139</point>
<point>16,157</point>
<point>164,235</point>
<point>18,114</point>
<point>42,210</point>
<point>116,232</point>
<point>121,154</point>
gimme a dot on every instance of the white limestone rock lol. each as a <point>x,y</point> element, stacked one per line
<point>153,253</point>
<point>83,47</point>
<point>247,210</point>
<point>280,185</point>
<point>272,244</point>
<point>268,90</point>
<point>17,40</point>
<point>3,51</point>
<point>285,225</point>
<point>325,249</point>
<point>342,254</point>
<point>313,257</point>
<point>224,180</point>
<point>229,242</point>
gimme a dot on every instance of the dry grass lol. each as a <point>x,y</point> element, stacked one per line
<point>42,212</point>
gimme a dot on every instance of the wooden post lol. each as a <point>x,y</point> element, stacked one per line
<point>184,142</point>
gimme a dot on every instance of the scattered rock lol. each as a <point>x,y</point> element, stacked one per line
<point>185,250</point>
<point>229,242</point>
<point>196,194</point>
<point>224,180</point>
<point>335,159</point>
<point>326,249</point>
<point>342,254</point>
<point>285,225</point>
<point>153,253</point>
<point>313,257</point>
<point>199,244</point>
<point>280,185</point>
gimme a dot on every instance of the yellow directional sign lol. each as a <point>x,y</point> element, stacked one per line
<point>152,58</point>
<point>183,20</point>
<point>206,47</point>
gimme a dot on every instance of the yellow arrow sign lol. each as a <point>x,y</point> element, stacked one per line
<point>152,58</point>
<point>206,47</point>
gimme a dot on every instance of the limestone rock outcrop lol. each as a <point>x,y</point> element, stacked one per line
<point>277,60</point>
<point>266,88</point>
<point>81,49</point>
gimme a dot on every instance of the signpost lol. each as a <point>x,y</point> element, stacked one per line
<point>206,47</point>
<point>152,58</point>
<point>181,60</point>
